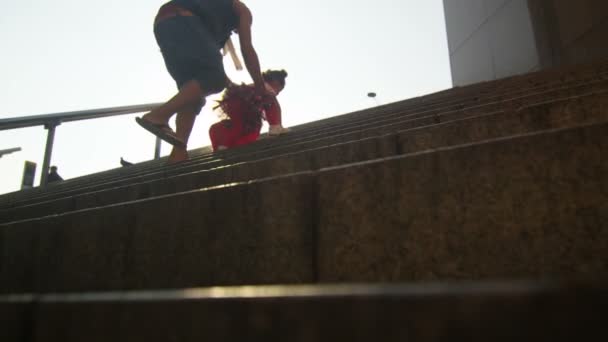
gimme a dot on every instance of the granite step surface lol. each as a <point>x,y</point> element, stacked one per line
<point>368,115</point>
<point>559,114</point>
<point>532,205</point>
<point>429,312</point>
<point>360,132</point>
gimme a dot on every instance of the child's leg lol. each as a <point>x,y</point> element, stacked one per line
<point>247,139</point>
<point>215,135</point>
<point>219,134</point>
<point>225,133</point>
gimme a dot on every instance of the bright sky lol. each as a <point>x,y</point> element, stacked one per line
<point>67,55</point>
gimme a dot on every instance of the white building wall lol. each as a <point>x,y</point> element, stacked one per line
<point>489,39</point>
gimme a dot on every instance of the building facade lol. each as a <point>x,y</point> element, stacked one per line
<point>492,39</point>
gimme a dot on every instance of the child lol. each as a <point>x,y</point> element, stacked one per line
<point>244,111</point>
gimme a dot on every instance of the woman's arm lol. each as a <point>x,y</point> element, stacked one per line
<point>249,54</point>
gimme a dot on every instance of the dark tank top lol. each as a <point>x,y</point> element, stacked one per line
<point>217,15</point>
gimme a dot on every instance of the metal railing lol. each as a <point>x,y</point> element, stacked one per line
<point>9,151</point>
<point>51,121</point>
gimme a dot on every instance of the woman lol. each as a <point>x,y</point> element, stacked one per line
<point>190,34</point>
<point>244,112</point>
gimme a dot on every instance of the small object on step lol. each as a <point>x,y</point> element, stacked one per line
<point>125,163</point>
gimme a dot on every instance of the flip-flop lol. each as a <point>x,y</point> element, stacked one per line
<point>163,131</point>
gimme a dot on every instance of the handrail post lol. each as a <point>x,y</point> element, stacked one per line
<point>157,148</point>
<point>48,151</point>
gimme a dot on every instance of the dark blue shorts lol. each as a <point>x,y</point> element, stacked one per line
<point>191,53</point>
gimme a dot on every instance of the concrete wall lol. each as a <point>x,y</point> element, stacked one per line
<point>569,32</point>
<point>489,39</point>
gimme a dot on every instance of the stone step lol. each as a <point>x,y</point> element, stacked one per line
<point>432,116</point>
<point>462,129</point>
<point>562,73</point>
<point>558,114</point>
<point>456,104</point>
<point>367,114</point>
<point>545,78</point>
<point>69,182</point>
<point>434,312</point>
<point>576,73</point>
<point>515,97</point>
<point>372,128</point>
<point>533,205</point>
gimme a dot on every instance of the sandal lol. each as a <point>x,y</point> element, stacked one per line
<point>162,131</point>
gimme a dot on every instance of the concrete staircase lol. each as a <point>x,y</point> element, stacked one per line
<point>517,311</point>
<point>499,180</point>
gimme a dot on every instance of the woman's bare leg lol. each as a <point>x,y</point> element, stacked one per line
<point>189,96</point>
<point>184,124</point>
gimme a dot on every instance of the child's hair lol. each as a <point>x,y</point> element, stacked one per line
<point>275,75</point>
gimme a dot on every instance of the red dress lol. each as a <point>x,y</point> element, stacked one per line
<point>243,113</point>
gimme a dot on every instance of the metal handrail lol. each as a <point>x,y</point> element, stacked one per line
<point>9,151</point>
<point>45,119</point>
<point>51,121</point>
